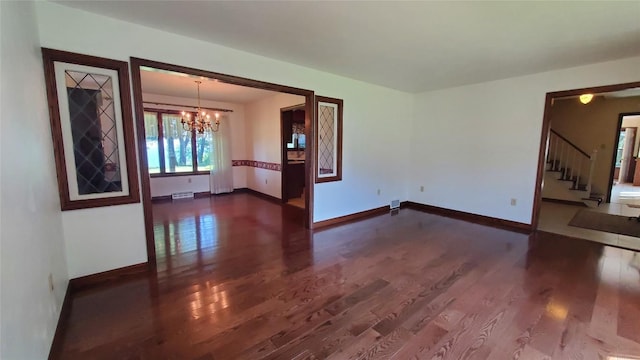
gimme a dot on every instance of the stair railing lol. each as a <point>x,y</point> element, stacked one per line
<point>572,162</point>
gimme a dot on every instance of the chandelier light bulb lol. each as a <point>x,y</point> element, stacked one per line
<point>586,98</point>
<point>201,121</point>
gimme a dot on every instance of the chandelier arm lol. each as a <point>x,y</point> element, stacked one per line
<point>201,122</point>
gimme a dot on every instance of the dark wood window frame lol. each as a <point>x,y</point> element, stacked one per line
<point>50,57</point>
<point>338,139</point>
<point>161,149</point>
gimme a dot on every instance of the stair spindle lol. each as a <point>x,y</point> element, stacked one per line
<point>579,172</point>
<point>555,155</point>
<point>562,147</point>
<point>566,161</point>
<point>591,168</point>
<point>573,166</point>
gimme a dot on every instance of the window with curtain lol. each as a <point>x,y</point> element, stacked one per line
<point>170,149</point>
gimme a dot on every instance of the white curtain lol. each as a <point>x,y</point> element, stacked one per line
<point>221,179</point>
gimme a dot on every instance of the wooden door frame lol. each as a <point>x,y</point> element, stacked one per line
<point>613,162</point>
<point>546,127</point>
<point>283,154</point>
<point>137,63</point>
<point>613,159</point>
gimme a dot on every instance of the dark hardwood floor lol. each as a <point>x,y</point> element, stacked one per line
<point>237,280</point>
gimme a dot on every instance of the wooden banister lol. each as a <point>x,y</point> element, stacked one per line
<point>571,144</point>
<point>566,158</point>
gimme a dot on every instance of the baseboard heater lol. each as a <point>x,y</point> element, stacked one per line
<point>182,195</point>
<point>395,204</point>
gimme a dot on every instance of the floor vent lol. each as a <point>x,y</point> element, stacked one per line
<point>395,204</point>
<point>182,195</point>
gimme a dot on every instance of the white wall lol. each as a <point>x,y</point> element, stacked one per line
<point>371,113</point>
<point>165,186</point>
<point>476,147</point>
<point>162,186</point>
<point>264,143</point>
<point>31,236</point>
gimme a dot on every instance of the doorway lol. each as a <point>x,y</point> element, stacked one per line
<point>625,185</point>
<point>293,148</point>
<point>583,156</point>
<point>138,65</point>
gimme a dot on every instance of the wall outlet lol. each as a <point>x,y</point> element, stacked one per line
<point>421,188</point>
<point>378,191</point>
<point>266,181</point>
<point>513,202</point>
<point>50,282</point>
<point>189,180</point>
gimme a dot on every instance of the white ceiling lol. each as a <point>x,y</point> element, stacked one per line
<point>411,46</point>
<point>182,85</point>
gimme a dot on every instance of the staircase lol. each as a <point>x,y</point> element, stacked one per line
<point>569,172</point>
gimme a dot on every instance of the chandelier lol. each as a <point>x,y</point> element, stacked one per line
<point>586,98</point>
<point>201,122</point>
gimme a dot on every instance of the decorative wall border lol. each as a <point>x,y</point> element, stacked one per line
<point>258,164</point>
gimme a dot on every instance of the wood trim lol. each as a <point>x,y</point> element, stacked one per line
<point>544,137</point>
<point>205,194</point>
<point>49,56</point>
<point>110,276</point>
<point>186,106</point>
<point>194,151</point>
<point>293,107</point>
<point>163,166</point>
<point>164,111</point>
<point>542,159</point>
<point>55,352</point>
<point>309,162</point>
<point>283,160</point>
<point>338,176</point>
<point>144,166</point>
<point>570,143</point>
<point>352,217</point>
<point>474,218</point>
<point>595,90</point>
<point>229,79</point>
<point>264,196</point>
<point>612,166</point>
<point>162,198</point>
<point>565,202</point>
<point>309,95</point>
<point>169,175</point>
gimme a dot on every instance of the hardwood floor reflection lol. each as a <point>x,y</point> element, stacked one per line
<point>220,233</point>
<point>238,280</point>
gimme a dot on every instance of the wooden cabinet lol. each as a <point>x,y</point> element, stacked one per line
<point>295,180</point>
<point>293,168</point>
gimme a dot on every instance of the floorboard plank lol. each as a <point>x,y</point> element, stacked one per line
<point>238,279</point>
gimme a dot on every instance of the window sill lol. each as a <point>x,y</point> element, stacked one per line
<point>179,174</point>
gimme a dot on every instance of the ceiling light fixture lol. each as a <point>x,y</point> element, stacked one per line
<point>202,121</point>
<point>586,98</point>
